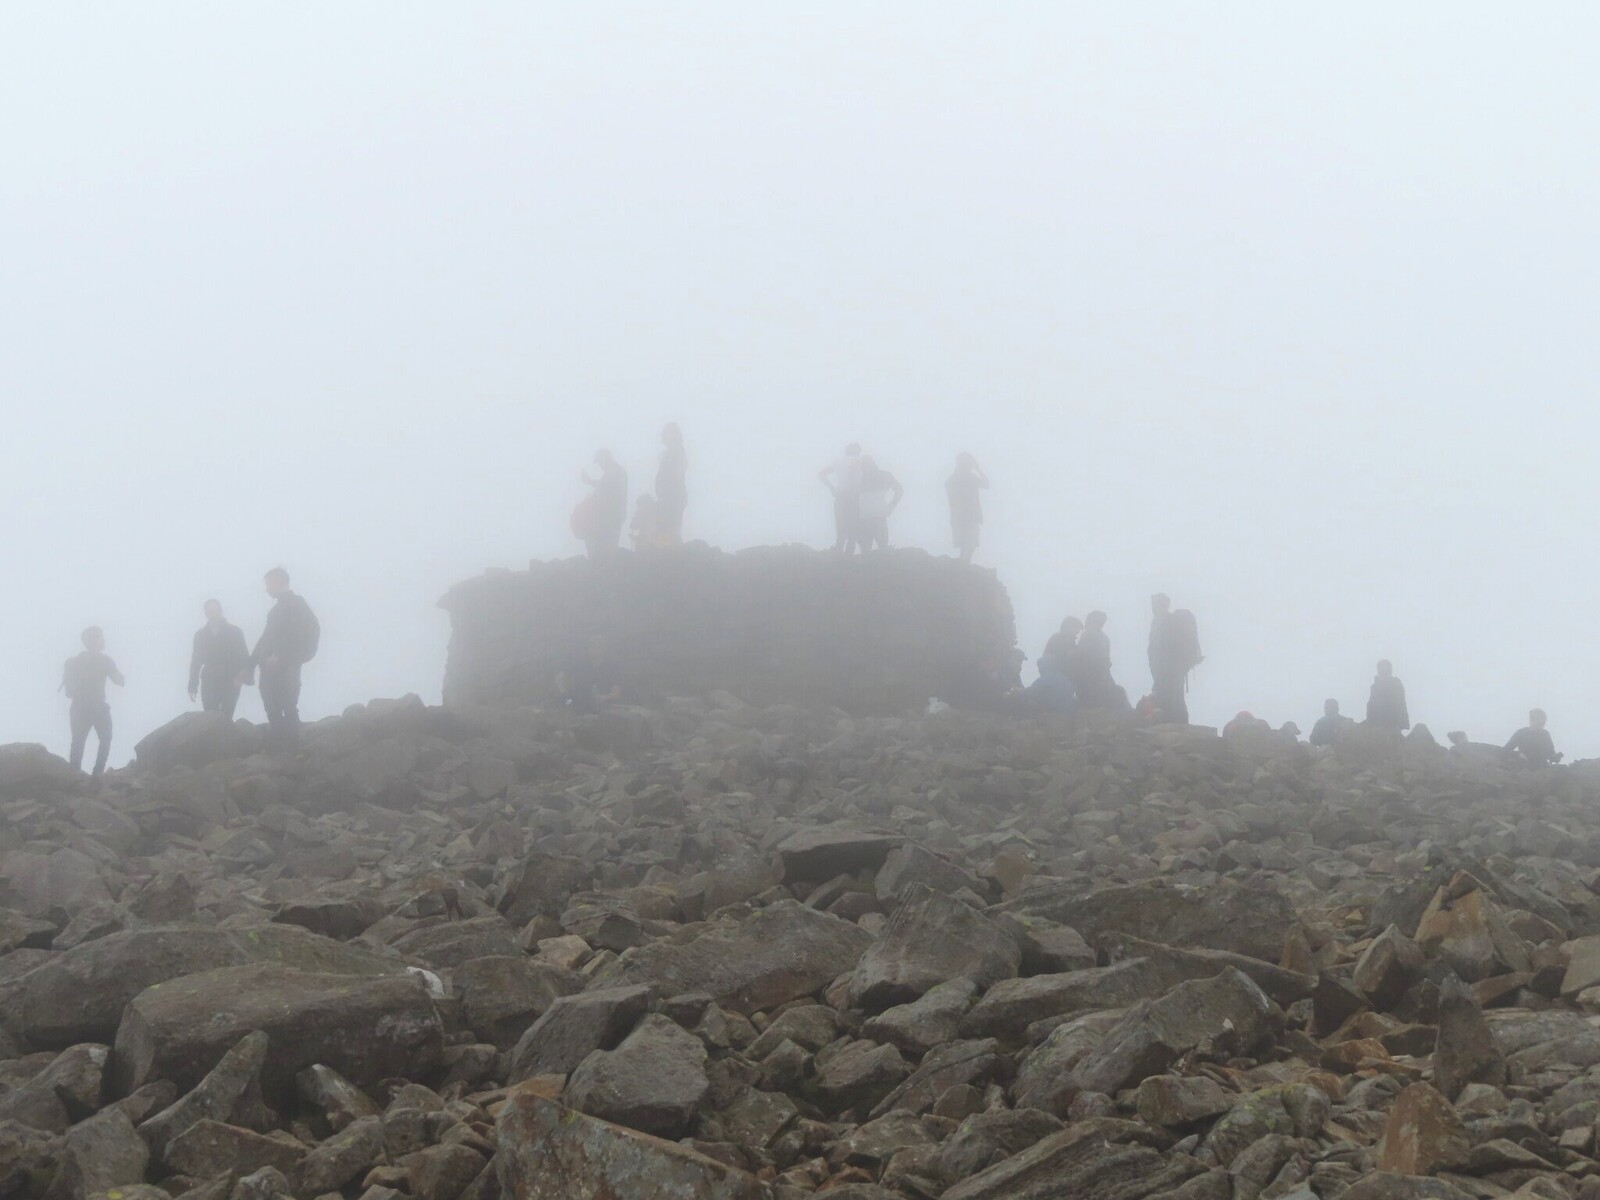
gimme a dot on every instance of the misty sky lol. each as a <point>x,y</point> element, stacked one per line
<point>1286,310</point>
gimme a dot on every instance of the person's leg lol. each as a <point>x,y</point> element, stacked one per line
<point>102,733</point>
<point>291,701</point>
<point>841,525</point>
<point>228,701</point>
<point>210,695</point>
<point>80,722</point>
<point>270,700</point>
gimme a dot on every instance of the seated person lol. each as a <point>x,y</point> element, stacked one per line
<point>1533,743</point>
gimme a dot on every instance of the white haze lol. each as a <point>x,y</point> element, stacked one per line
<point>1285,310</point>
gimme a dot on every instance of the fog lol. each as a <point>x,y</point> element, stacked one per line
<point>1286,312</point>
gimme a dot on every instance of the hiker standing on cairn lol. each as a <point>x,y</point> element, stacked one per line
<point>966,504</point>
<point>288,641</point>
<point>672,488</point>
<point>600,516</point>
<point>843,479</point>
<point>219,657</point>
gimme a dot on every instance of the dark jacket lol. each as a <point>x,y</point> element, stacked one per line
<point>1535,745</point>
<point>219,654</point>
<point>292,632</point>
<point>1386,705</point>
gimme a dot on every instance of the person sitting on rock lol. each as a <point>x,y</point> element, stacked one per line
<point>1244,724</point>
<point>1092,667</point>
<point>1052,692</point>
<point>1063,644</point>
<point>1329,726</point>
<point>1533,744</point>
<point>1386,705</point>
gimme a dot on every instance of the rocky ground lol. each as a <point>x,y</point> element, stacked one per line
<point>712,950</point>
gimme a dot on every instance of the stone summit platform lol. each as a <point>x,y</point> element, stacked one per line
<point>784,624</point>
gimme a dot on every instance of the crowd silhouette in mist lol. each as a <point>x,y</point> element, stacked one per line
<point>1074,669</point>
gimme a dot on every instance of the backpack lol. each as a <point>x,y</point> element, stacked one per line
<point>310,633</point>
<point>1185,639</point>
<point>78,677</point>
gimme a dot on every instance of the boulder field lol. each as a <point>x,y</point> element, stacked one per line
<point>714,949</point>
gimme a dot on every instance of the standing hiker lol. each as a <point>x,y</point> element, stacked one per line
<point>84,681</point>
<point>288,641</point>
<point>218,659</point>
<point>1174,652</point>
<point>966,504</point>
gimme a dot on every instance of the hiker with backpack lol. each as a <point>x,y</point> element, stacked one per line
<point>1174,652</point>
<point>288,641</point>
<point>84,680</point>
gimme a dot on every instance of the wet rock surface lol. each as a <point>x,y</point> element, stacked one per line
<point>712,949</point>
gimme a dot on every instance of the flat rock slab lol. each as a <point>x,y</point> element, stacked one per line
<point>367,1028</point>
<point>547,1152</point>
<point>781,953</point>
<point>79,996</point>
<point>818,854</point>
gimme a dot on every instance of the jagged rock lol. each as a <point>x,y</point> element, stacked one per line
<point>574,1027</point>
<point>1047,947</point>
<point>66,1090</point>
<point>442,1172</point>
<point>1222,916</point>
<point>210,1148</point>
<point>1046,1078</point>
<point>1174,965</point>
<point>99,1154</point>
<point>857,1075</point>
<point>457,942</point>
<point>1226,1016</point>
<point>1178,1100</point>
<point>348,1154</point>
<point>931,939</point>
<point>929,1021</point>
<point>1071,1166</point>
<point>781,953</point>
<point>973,1063</point>
<point>546,1152</point>
<point>1465,927</point>
<point>1465,1052</point>
<point>990,1137</point>
<point>910,864</point>
<point>1388,968</point>
<point>501,997</point>
<point>1010,1006</point>
<point>214,1098</point>
<point>64,880</point>
<point>28,770</point>
<point>79,996</point>
<point>365,1027</point>
<point>196,739</point>
<point>1423,1134</point>
<point>655,1081</point>
<point>339,1101</point>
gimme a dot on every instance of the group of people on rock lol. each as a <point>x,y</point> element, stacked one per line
<point>657,517</point>
<point>865,496</point>
<point>1075,668</point>
<point>220,667</point>
<point>1388,715</point>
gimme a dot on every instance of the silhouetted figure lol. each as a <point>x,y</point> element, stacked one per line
<point>84,680</point>
<point>1052,692</point>
<point>843,479</point>
<point>881,494</point>
<point>1092,662</point>
<point>288,641</point>
<point>1386,705</point>
<point>1533,743</point>
<point>600,516</point>
<point>1063,645</point>
<point>644,531</point>
<point>966,504</point>
<point>1330,725</point>
<point>1243,725</point>
<point>672,487</point>
<point>220,657</point>
<point>1174,652</point>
